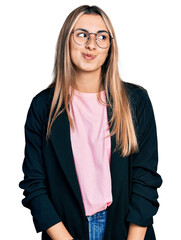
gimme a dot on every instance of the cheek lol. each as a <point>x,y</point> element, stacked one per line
<point>103,57</point>
<point>73,50</point>
<point>74,54</point>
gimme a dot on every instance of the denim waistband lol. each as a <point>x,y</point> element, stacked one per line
<point>98,214</point>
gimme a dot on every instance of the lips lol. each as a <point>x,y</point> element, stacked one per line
<point>88,56</point>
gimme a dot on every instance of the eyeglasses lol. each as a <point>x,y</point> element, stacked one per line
<point>82,36</point>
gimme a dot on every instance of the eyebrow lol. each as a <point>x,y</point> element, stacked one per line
<point>88,31</point>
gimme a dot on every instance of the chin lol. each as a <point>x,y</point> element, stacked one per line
<point>88,68</point>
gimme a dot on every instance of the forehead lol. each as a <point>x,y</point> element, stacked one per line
<point>91,22</point>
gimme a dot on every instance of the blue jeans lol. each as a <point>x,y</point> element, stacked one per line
<point>96,225</point>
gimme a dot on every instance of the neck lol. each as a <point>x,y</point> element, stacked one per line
<point>88,82</point>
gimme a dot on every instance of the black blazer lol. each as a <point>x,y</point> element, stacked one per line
<point>50,184</point>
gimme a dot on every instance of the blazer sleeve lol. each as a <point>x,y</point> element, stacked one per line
<point>35,181</point>
<point>144,177</point>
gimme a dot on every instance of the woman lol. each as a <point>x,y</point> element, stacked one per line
<point>91,155</point>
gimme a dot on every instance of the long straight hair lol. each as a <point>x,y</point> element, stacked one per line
<point>64,75</point>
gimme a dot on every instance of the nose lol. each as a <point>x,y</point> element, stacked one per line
<point>91,44</point>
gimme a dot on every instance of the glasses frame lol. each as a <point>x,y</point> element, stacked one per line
<point>88,38</point>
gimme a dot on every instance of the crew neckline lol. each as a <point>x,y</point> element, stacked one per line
<point>86,93</point>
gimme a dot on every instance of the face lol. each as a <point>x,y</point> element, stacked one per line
<point>89,57</point>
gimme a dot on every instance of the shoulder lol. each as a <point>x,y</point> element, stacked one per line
<point>43,99</point>
<point>44,96</point>
<point>137,95</point>
<point>134,90</point>
<point>41,103</point>
<point>140,105</point>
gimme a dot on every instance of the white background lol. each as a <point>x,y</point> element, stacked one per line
<point>149,40</point>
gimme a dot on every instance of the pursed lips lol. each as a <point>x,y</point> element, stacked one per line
<point>88,56</point>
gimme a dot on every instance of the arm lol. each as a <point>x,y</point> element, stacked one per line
<point>145,179</point>
<point>35,181</point>
<point>136,232</point>
<point>59,232</point>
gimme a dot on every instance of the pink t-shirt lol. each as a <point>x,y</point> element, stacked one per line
<point>92,153</point>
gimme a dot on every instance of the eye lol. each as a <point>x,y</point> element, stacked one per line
<point>103,36</point>
<point>82,34</point>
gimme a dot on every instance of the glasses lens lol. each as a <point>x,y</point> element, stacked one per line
<point>80,37</point>
<point>103,40</point>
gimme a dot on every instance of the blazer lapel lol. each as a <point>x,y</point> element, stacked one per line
<point>60,138</point>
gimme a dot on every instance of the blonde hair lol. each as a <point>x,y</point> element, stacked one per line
<point>64,74</point>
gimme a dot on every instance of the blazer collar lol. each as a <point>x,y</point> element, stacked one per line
<point>60,138</point>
